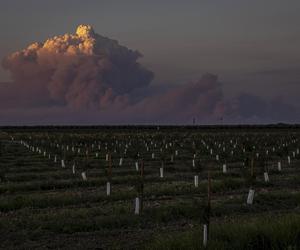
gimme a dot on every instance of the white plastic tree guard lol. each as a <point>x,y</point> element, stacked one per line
<point>250,196</point>
<point>108,188</point>
<point>136,166</point>
<point>224,168</point>
<point>205,235</point>
<point>83,175</point>
<point>196,180</point>
<point>161,172</point>
<point>266,177</point>
<point>137,206</point>
<point>279,166</point>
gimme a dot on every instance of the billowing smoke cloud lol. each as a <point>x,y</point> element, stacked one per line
<point>201,99</point>
<point>85,78</point>
<point>80,70</point>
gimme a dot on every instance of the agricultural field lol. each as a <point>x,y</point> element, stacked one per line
<point>150,188</point>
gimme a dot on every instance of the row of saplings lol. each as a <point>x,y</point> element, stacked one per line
<point>249,167</point>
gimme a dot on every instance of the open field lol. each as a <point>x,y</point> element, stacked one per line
<point>150,188</point>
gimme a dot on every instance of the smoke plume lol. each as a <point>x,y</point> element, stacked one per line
<point>85,78</point>
<point>79,70</point>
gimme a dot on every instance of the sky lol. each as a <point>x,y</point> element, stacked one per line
<point>241,57</point>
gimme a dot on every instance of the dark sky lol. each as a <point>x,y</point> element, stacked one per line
<point>252,46</point>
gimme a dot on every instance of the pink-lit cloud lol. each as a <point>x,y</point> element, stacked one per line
<point>80,70</point>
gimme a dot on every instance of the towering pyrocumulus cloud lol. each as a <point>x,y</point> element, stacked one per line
<point>87,78</point>
<point>81,70</point>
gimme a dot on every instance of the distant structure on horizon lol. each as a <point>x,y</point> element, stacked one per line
<point>194,121</point>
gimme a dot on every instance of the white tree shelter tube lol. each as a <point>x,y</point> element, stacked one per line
<point>250,196</point>
<point>137,206</point>
<point>266,177</point>
<point>161,172</point>
<point>279,166</point>
<point>205,235</point>
<point>108,188</point>
<point>83,174</point>
<point>196,180</point>
<point>224,168</point>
